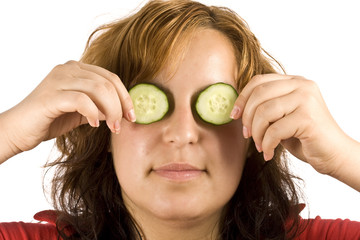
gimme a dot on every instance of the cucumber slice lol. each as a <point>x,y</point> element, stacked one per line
<point>150,103</point>
<point>214,104</point>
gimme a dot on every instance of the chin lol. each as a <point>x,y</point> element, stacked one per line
<point>183,219</point>
<point>184,209</point>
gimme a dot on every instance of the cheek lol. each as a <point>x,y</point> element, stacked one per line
<point>227,167</point>
<point>232,145</point>
<point>130,149</point>
<point>221,149</point>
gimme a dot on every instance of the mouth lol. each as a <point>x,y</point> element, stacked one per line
<point>178,172</point>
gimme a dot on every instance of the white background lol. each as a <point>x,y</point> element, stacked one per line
<point>316,39</point>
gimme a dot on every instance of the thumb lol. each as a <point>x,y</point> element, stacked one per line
<point>294,146</point>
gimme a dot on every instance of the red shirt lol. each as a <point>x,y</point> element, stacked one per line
<point>45,229</point>
<point>319,229</point>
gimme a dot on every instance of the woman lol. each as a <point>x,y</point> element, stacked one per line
<point>178,178</point>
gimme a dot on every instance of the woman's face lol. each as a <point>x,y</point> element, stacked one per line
<point>181,168</point>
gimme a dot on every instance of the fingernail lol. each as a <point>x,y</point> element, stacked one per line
<point>245,132</point>
<point>258,148</point>
<point>267,157</point>
<point>235,113</point>
<point>94,124</point>
<point>131,115</point>
<point>117,127</point>
<point>97,123</point>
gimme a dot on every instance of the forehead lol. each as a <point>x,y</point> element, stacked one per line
<point>207,58</point>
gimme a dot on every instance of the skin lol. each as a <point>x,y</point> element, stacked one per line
<point>289,110</point>
<point>274,109</point>
<point>172,208</point>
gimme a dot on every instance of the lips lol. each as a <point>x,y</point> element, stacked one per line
<point>178,172</point>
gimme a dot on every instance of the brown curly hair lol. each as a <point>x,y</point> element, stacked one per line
<point>85,190</point>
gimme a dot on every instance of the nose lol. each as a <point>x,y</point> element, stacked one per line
<point>180,128</point>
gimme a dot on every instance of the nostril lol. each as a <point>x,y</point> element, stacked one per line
<point>181,135</point>
<point>180,128</point>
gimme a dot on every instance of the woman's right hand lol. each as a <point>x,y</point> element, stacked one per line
<point>72,94</point>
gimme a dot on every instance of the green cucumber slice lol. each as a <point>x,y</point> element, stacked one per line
<point>150,103</point>
<point>214,104</point>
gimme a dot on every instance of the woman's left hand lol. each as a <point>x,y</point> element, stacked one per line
<point>289,110</point>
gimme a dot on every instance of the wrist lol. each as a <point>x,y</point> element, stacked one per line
<point>7,147</point>
<point>347,164</point>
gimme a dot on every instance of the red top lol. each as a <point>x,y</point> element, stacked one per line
<point>319,229</point>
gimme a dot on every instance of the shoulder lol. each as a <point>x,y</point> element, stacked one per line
<point>330,229</point>
<point>338,229</point>
<point>45,228</point>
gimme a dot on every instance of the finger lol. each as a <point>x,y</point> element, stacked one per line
<point>271,111</point>
<point>292,145</point>
<point>283,129</point>
<point>103,94</point>
<point>71,101</point>
<point>125,99</point>
<point>263,93</point>
<point>248,89</point>
<point>97,83</point>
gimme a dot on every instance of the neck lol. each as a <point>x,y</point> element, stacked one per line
<point>153,228</point>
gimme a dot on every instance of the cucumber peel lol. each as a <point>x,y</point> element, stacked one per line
<point>214,104</point>
<point>150,103</point>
